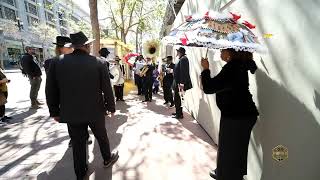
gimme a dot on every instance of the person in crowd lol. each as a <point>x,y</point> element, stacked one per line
<point>63,46</point>
<point>155,79</point>
<point>31,67</point>
<point>79,92</point>
<point>119,85</point>
<point>238,111</point>
<point>137,79</point>
<point>146,74</point>
<point>167,82</point>
<point>182,81</point>
<point>4,96</point>
<point>104,52</point>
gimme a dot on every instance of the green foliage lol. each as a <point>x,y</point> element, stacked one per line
<point>133,15</point>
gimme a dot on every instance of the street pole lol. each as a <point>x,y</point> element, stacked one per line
<point>20,26</point>
<point>2,46</point>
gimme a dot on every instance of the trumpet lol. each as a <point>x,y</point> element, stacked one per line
<point>144,71</point>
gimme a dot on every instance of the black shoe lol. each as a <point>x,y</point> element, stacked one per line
<point>213,174</point>
<point>178,117</point>
<point>7,117</point>
<point>70,143</point>
<point>145,100</point>
<point>121,99</point>
<point>114,157</point>
<point>165,103</point>
<point>4,119</point>
<point>173,114</point>
<point>171,106</point>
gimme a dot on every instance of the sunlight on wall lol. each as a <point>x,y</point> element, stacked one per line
<point>286,87</point>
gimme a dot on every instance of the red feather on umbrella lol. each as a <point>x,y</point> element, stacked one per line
<point>188,18</point>
<point>249,25</point>
<point>235,17</point>
<point>206,16</point>
<point>184,40</point>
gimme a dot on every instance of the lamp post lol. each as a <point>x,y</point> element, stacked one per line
<point>20,26</point>
<point>2,46</point>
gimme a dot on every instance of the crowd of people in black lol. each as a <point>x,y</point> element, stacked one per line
<point>80,92</point>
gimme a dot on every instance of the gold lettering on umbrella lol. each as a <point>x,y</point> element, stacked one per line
<point>223,27</point>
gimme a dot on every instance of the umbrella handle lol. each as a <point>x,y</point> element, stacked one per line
<point>207,53</point>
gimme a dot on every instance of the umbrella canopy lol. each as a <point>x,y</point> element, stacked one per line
<point>130,58</point>
<point>216,30</point>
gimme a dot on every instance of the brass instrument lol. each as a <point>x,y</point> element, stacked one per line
<point>144,71</point>
<point>151,49</point>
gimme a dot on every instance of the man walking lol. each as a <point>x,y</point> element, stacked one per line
<point>79,93</point>
<point>182,81</point>
<point>32,69</point>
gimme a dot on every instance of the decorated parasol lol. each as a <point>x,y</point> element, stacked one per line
<point>130,58</point>
<point>217,31</point>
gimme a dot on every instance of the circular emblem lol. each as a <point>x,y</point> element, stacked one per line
<point>280,153</point>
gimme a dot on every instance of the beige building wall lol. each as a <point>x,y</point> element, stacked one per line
<point>286,88</point>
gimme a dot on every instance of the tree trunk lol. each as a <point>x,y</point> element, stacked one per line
<point>137,39</point>
<point>95,26</point>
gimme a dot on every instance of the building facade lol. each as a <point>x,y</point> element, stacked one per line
<point>26,13</point>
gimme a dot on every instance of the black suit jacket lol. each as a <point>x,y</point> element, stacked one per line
<point>181,73</point>
<point>29,66</point>
<point>78,88</point>
<point>47,64</point>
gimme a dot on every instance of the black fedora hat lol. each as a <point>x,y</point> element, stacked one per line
<point>62,41</point>
<point>80,39</point>
<point>104,51</point>
<point>181,50</point>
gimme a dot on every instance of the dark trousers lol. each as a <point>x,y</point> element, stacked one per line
<point>118,91</point>
<point>138,82</point>
<point>167,90</point>
<point>147,83</point>
<point>3,107</point>
<point>177,101</point>
<point>234,137</point>
<point>87,133</point>
<point>35,86</point>
<point>78,135</point>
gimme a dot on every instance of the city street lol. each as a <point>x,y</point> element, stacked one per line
<point>151,144</point>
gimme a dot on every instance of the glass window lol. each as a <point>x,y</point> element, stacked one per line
<point>11,2</point>
<point>63,32</point>
<point>49,17</point>
<point>31,8</point>
<point>9,13</point>
<point>1,13</point>
<point>32,20</point>
<point>48,5</point>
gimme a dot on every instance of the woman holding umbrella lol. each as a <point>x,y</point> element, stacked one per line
<point>238,111</point>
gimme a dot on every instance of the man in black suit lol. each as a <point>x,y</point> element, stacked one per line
<point>147,80</point>
<point>104,52</point>
<point>63,44</point>
<point>79,93</point>
<point>182,81</point>
<point>31,67</point>
<point>167,82</point>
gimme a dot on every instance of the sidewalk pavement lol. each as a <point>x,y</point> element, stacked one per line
<point>151,144</point>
